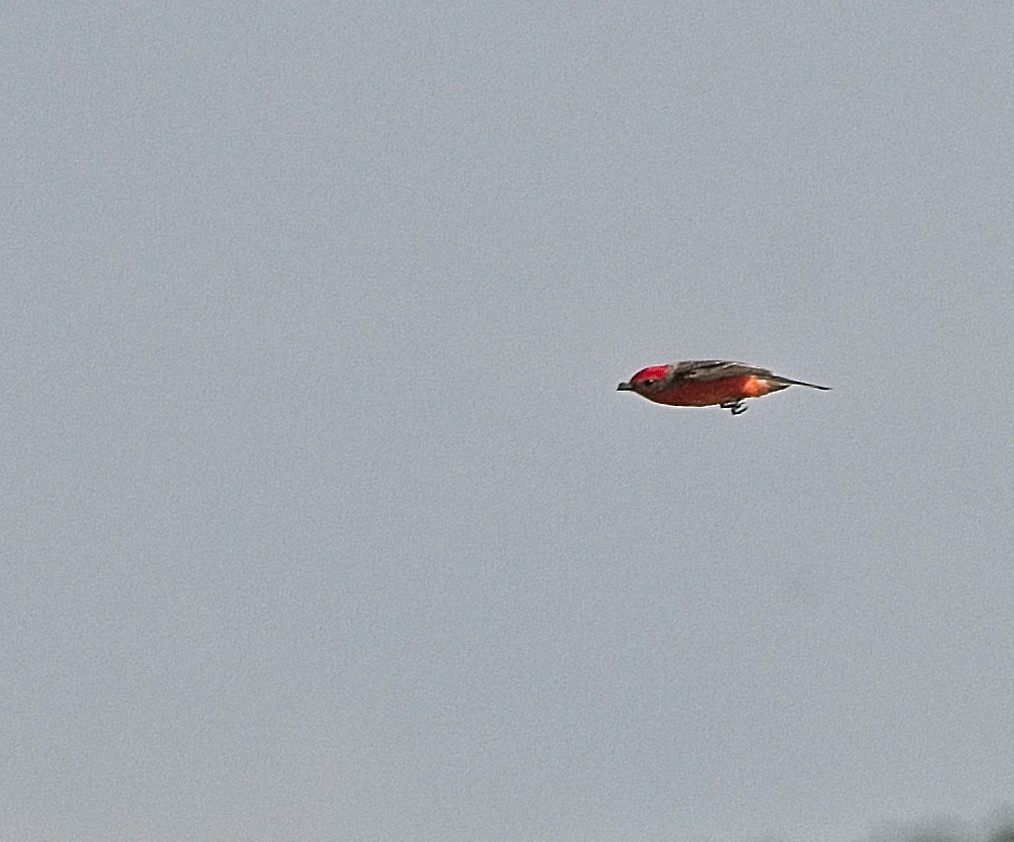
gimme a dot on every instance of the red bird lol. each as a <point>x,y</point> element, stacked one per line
<point>706,383</point>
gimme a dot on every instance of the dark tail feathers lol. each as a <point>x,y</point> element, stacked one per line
<point>789,382</point>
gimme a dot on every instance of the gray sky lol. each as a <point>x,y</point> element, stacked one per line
<point>322,518</point>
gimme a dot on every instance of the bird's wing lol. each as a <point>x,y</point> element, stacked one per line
<point>704,370</point>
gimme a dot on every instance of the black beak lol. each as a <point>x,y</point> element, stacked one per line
<point>624,387</point>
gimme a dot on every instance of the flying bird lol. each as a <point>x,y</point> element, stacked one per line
<point>708,382</point>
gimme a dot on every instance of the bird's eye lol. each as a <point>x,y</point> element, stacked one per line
<point>649,382</point>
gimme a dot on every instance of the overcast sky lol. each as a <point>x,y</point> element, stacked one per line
<point>322,518</point>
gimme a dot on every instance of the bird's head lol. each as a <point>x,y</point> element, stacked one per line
<point>647,380</point>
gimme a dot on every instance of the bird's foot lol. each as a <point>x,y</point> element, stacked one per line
<point>735,407</point>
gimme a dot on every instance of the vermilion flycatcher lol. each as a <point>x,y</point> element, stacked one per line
<point>706,383</point>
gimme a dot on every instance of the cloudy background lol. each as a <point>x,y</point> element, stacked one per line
<point>321,516</point>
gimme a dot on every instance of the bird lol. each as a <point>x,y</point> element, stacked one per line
<point>708,383</point>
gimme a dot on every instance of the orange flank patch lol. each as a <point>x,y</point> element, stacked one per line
<point>709,392</point>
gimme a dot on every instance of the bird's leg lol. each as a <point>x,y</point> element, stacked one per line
<point>735,407</point>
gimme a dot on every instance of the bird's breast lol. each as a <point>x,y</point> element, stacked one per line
<point>709,392</point>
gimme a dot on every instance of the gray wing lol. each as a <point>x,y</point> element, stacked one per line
<point>704,370</point>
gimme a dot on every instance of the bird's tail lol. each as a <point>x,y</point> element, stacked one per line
<point>789,382</point>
